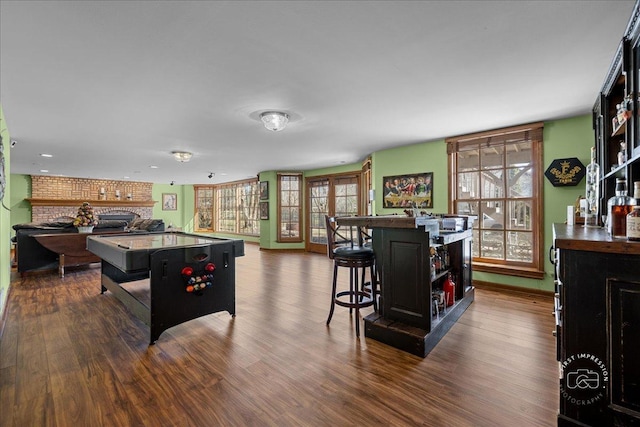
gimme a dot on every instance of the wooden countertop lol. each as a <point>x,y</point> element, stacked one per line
<point>592,239</point>
<point>398,221</point>
<point>384,221</point>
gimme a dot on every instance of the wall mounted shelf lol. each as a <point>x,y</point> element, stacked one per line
<point>73,202</point>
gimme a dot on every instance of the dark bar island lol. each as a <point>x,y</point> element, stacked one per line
<point>408,317</point>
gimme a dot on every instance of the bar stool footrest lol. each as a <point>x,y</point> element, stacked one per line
<point>360,299</point>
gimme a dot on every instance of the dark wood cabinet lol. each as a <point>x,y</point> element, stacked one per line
<point>624,301</point>
<point>621,87</point>
<point>405,259</point>
<point>407,318</point>
<point>598,317</point>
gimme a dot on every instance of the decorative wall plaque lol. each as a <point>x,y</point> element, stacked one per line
<point>565,172</point>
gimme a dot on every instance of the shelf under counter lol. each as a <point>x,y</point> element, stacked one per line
<point>410,338</point>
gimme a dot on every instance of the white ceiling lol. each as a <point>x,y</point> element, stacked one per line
<point>110,88</point>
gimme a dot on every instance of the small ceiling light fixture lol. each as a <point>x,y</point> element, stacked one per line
<point>274,120</point>
<point>182,156</point>
<point>172,182</point>
<point>211,174</point>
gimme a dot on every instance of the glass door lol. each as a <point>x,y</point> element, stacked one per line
<point>334,196</point>
<point>318,191</point>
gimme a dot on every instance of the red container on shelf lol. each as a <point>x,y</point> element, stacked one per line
<point>449,288</point>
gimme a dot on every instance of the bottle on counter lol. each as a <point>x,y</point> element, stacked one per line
<point>633,224</point>
<point>618,207</point>
<point>633,218</point>
<point>592,191</point>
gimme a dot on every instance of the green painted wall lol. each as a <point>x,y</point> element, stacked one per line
<point>175,218</point>
<point>352,167</point>
<point>20,208</point>
<point>562,138</point>
<point>425,157</point>
<point>5,218</point>
<point>268,228</point>
<point>571,137</point>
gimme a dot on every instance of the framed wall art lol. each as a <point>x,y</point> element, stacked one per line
<point>169,201</point>
<point>408,191</point>
<point>264,190</point>
<point>264,210</point>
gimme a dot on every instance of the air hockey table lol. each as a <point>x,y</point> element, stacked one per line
<point>189,275</point>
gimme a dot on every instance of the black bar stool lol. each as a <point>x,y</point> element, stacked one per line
<point>345,251</point>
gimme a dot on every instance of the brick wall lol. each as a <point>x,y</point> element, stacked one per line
<point>84,189</point>
<point>55,187</point>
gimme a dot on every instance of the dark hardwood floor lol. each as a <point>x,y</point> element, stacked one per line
<point>72,357</point>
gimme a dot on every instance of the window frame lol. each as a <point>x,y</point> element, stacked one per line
<point>236,187</point>
<point>332,181</point>
<point>196,210</point>
<point>530,132</point>
<point>280,237</point>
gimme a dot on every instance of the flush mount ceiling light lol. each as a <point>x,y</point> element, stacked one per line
<point>182,156</point>
<point>274,120</point>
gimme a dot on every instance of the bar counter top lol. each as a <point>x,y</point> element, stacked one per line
<point>383,221</point>
<point>593,239</point>
<point>399,221</point>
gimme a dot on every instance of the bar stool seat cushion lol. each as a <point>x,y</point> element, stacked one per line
<point>353,252</point>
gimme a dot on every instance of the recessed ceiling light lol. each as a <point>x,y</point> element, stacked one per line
<point>46,155</point>
<point>153,167</point>
<point>44,170</point>
<point>125,177</point>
